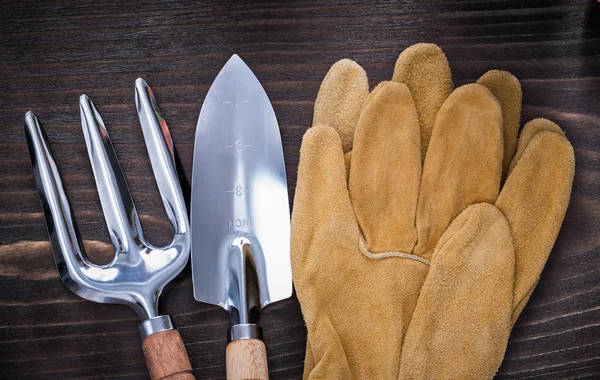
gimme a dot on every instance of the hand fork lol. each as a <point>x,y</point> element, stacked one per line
<point>139,272</point>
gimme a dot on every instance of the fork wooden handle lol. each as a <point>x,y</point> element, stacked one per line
<point>166,356</point>
<point>247,360</point>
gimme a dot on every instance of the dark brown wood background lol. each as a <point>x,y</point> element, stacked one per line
<point>52,52</point>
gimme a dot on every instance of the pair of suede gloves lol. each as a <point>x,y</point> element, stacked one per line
<point>421,223</point>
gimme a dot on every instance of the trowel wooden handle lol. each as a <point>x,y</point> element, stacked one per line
<point>166,356</point>
<point>247,360</point>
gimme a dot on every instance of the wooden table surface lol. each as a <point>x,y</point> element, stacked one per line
<point>52,52</point>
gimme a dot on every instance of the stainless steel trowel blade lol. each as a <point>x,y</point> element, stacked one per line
<point>239,195</point>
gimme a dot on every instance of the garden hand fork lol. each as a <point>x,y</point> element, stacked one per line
<point>139,272</point>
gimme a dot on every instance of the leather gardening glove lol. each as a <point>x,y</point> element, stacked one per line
<point>487,263</point>
<point>361,246</point>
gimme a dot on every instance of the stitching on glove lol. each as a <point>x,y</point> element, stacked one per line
<point>375,256</point>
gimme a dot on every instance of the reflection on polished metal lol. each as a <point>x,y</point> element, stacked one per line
<point>139,271</point>
<point>245,331</point>
<point>155,325</point>
<point>240,214</point>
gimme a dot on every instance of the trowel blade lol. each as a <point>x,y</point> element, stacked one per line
<point>239,194</point>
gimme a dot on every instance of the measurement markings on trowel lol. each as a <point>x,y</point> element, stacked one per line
<point>239,190</point>
<point>235,101</point>
<point>239,146</point>
<point>239,223</point>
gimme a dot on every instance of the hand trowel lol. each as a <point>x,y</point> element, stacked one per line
<point>240,218</point>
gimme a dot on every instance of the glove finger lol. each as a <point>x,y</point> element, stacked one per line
<point>322,207</point>
<point>386,169</point>
<point>424,69</point>
<point>340,99</point>
<point>461,324</point>
<point>507,89</point>
<point>534,199</point>
<point>330,360</point>
<point>529,131</point>
<point>463,165</point>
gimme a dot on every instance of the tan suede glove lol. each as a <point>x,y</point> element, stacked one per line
<point>373,246</point>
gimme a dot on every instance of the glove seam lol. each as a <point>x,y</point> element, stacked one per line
<point>376,256</point>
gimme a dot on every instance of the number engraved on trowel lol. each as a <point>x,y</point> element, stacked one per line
<point>239,146</point>
<point>239,222</point>
<point>239,190</point>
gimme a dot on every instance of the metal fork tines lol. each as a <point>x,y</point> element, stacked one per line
<point>139,271</point>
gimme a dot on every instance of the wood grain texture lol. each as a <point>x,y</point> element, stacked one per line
<point>166,356</point>
<point>52,52</point>
<point>246,360</point>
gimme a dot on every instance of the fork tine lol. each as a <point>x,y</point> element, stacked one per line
<point>117,205</point>
<point>161,154</point>
<point>66,247</point>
